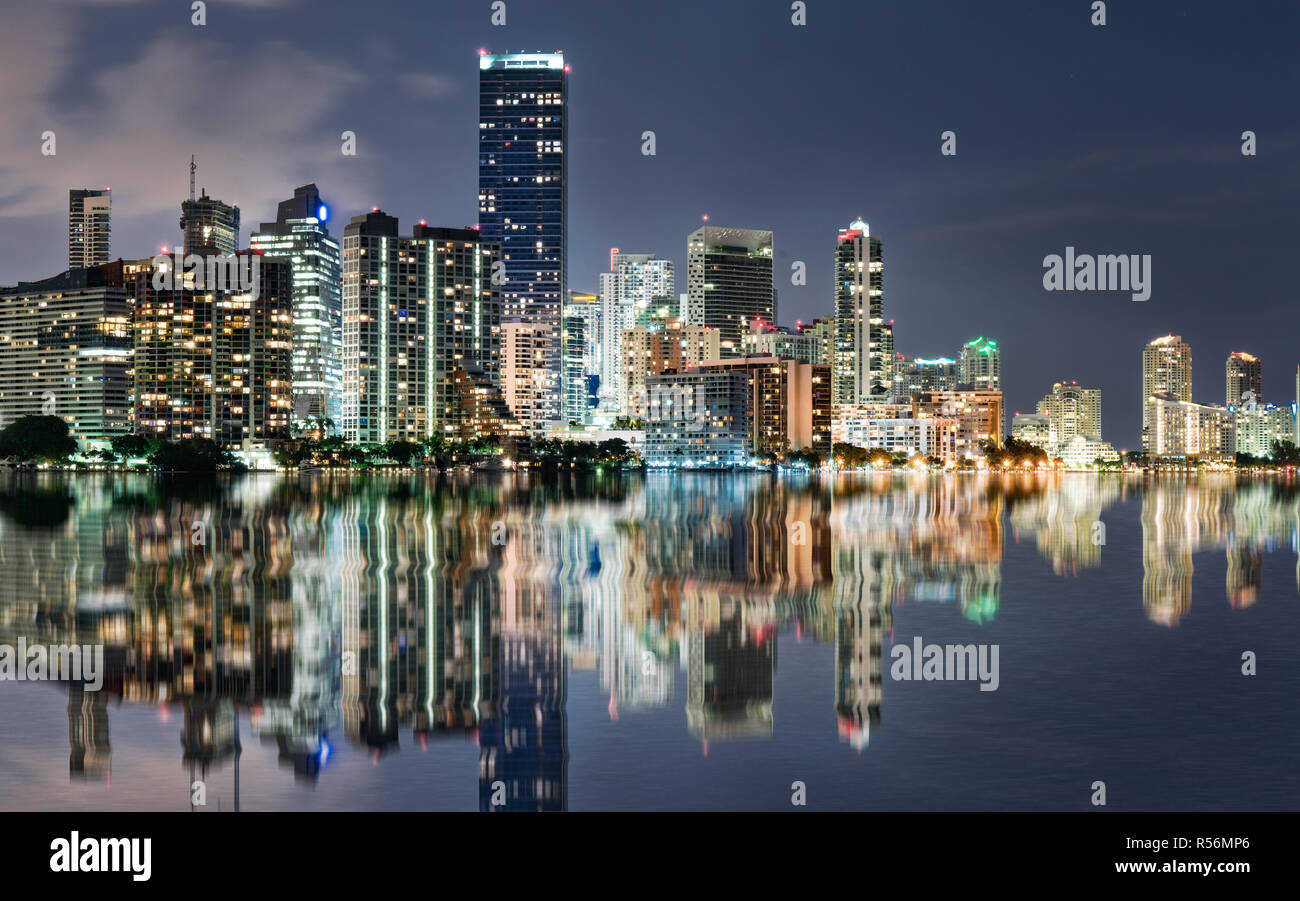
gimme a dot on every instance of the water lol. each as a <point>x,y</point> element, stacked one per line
<point>416,642</point>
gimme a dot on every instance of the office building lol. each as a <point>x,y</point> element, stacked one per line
<point>523,191</point>
<point>209,225</point>
<point>729,283</point>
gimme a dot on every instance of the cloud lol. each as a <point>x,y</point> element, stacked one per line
<point>427,85</point>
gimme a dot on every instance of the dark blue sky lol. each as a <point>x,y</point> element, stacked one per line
<point>1115,139</point>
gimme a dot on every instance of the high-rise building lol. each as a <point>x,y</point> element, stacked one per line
<point>860,342</point>
<point>65,350</point>
<point>587,308</point>
<point>803,344</point>
<point>978,415</point>
<point>300,236</point>
<point>210,226</point>
<point>523,190</point>
<point>699,418</point>
<point>979,365</point>
<point>1166,369</point>
<point>1180,428</point>
<point>790,402</point>
<point>573,381</point>
<point>1260,425</point>
<point>1032,428</point>
<point>628,294</point>
<point>525,377</point>
<point>1071,410</point>
<point>211,362</point>
<point>415,309</point>
<point>1244,380</point>
<point>912,375</point>
<point>650,351</point>
<point>729,282</point>
<point>89,227</point>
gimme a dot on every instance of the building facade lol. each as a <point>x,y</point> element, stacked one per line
<point>1244,380</point>
<point>212,363</point>
<point>415,309</point>
<point>1181,429</point>
<point>65,350</point>
<point>1166,369</point>
<point>979,365</point>
<point>628,294</point>
<point>729,283</point>
<point>1071,410</point>
<point>89,227</point>
<point>978,415</point>
<point>650,351</point>
<point>861,353</point>
<point>300,236</point>
<point>523,194</point>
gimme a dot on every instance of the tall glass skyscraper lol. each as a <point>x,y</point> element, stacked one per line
<point>299,235</point>
<point>523,190</point>
<point>729,282</point>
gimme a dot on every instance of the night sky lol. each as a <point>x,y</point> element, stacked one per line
<point>1116,139</point>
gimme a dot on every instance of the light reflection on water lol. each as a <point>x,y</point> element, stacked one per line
<point>496,642</point>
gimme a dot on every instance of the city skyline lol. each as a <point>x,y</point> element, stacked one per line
<point>966,234</point>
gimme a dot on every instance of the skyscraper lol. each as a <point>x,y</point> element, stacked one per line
<point>523,190</point>
<point>299,235</point>
<point>1244,380</point>
<point>1166,369</point>
<point>1070,411</point>
<point>88,227</point>
<point>729,282</point>
<point>860,361</point>
<point>979,365</point>
<point>65,350</point>
<point>211,362</point>
<point>627,293</point>
<point>210,226</point>
<point>415,310</point>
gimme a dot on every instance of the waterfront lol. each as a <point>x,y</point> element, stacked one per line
<point>660,641</point>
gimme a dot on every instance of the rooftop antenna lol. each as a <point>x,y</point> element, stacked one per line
<point>189,224</point>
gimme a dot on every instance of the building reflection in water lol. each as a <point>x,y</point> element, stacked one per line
<point>374,609</point>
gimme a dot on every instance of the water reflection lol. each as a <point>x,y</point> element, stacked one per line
<point>375,610</point>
